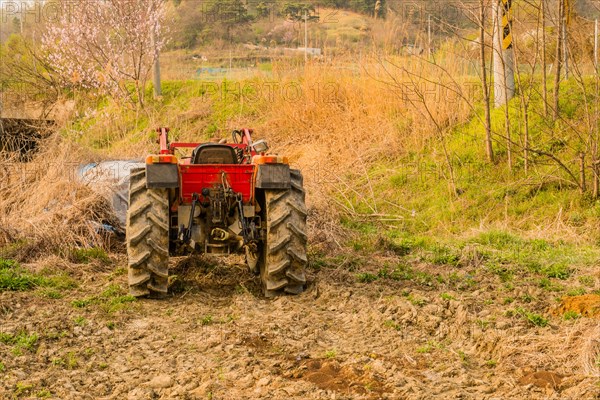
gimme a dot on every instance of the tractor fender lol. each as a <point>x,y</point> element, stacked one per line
<point>162,176</point>
<point>273,176</point>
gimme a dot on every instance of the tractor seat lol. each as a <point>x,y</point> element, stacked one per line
<point>212,153</point>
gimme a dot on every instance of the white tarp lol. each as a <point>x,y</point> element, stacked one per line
<point>111,180</point>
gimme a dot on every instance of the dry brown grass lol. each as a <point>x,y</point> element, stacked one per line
<point>44,208</point>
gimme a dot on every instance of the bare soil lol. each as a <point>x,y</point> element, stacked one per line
<point>215,337</point>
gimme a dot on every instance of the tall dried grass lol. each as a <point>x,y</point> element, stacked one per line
<point>43,207</point>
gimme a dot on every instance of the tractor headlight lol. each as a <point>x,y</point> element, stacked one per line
<point>260,146</point>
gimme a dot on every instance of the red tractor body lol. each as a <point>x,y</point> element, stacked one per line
<point>224,198</point>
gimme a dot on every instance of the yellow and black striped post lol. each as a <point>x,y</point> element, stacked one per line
<point>504,79</point>
<point>507,40</point>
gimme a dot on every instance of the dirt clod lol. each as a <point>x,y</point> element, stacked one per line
<point>542,379</point>
<point>161,382</point>
<point>330,375</point>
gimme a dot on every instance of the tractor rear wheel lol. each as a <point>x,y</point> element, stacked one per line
<point>283,264</point>
<point>147,237</point>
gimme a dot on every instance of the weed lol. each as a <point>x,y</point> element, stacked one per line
<point>118,303</point>
<point>58,361</point>
<point>532,318</point>
<point>80,321</point>
<point>491,363</point>
<point>398,247</point>
<point>571,315</point>
<point>43,394</point>
<point>575,292</point>
<point>22,388</point>
<point>82,303</point>
<point>390,323</point>
<point>550,286</point>
<point>417,301</point>
<point>444,256</point>
<point>111,299</point>
<point>446,296</point>
<point>51,294</point>
<point>464,358</point>
<point>102,365</point>
<point>20,341</point>
<point>527,298</point>
<point>429,347</point>
<point>2,367</point>
<point>559,271</point>
<point>84,256</point>
<point>111,325</point>
<point>502,271</point>
<point>508,300</point>
<point>330,353</point>
<point>206,320</point>
<point>71,361</point>
<point>13,277</point>
<point>483,324</point>
<point>587,280</point>
<point>366,277</point>
<point>16,278</point>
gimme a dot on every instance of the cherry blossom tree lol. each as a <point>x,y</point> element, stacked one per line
<point>107,45</point>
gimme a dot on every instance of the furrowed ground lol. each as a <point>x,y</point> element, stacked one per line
<point>407,318</point>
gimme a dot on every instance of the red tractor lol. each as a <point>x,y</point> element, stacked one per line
<point>225,198</point>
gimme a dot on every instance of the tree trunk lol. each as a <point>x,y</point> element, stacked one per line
<point>558,58</point>
<point>544,66</point>
<point>484,85</point>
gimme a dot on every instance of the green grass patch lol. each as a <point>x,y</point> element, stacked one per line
<point>87,255</point>
<point>532,318</point>
<point>16,278</point>
<point>112,299</point>
<point>571,315</point>
<point>20,341</point>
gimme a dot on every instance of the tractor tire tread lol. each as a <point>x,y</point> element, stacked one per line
<point>147,237</point>
<point>285,250</point>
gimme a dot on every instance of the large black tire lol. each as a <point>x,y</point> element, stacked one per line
<point>147,237</point>
<point>282,269</point>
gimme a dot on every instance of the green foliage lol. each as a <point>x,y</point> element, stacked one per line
<point>111,300</point>
<point>86,255</point>
<point>571,315</point>
<point>16,278</point>
<point>296,11</point>
<point>430,346</point>
<point>390,323</point>
<point>549,285</point>
<point>447,297</point>
<point>366,277</point>
<point>559,271</point>
<point>20,341</point>
<point>330,353</point>
<point>2,367</point>
<point>13,277</point>
<point>576,292</point>
<point>532,318</point>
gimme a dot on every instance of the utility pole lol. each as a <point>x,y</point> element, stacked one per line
<point>305,36</point>
<point>504,77</point>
